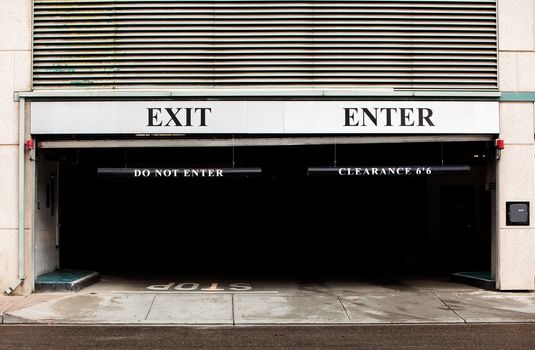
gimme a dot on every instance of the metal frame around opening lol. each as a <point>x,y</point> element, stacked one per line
<point>260,141</point>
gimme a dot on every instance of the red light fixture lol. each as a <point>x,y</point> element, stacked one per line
<point>29,144</point>
<point>500,144</point>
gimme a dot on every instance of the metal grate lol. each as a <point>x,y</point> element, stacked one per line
<point>402,44</point>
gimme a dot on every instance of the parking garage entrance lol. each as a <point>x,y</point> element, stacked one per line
<point>280,221</point>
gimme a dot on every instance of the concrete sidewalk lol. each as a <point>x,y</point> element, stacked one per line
<point>131,302</point>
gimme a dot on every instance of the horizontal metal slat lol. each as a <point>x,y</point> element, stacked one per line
<point>200,65</point>
<point>396,43</point>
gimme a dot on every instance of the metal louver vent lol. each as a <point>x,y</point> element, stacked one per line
<point>402,44</point>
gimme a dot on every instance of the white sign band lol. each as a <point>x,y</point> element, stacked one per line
<point>264,117</point>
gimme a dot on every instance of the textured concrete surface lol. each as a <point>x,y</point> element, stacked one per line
<point>7,303</point>
<point>15,74</point>
<point>85,308</point>
<point>508,68</point>
<point>8,254</point>
<point>525,69</point>
<point>192,309</point>
<point>8,108</point>
<point>516,122</point>
<point>516,24</point>
<point>483,306</point>
<point>365,302</point>
<point>398,307</point>
<point>8,176</point>
<point>257,309</point>
<point>15,17</point>
<point>515,245</point>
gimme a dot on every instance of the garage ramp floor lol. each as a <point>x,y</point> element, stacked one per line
<point>117,300</point>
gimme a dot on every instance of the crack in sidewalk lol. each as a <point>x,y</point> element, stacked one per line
<point>449,307</point>
<point>150,308</point>
<point>343,307</point>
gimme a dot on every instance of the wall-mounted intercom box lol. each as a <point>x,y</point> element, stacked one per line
<point>517,213</point>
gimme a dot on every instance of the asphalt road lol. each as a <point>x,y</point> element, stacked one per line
<point>487,337</point>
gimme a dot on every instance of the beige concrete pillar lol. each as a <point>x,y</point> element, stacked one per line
<point>15,75</point>
<point>515,182</point>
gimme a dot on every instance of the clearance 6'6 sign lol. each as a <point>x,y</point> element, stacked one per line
<point>387,170</point>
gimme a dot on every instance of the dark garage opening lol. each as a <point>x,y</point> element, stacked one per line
<point>283,224</point>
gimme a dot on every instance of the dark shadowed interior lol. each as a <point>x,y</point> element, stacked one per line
<point>283,224</point>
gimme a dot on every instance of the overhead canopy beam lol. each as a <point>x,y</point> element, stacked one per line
<point>254,93</point>
<point>261,141</point>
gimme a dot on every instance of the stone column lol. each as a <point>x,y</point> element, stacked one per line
<point>15,75</point>
<point>516,182</point>
<point>515,258</point>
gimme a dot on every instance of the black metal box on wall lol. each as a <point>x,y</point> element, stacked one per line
<point>517,213</point>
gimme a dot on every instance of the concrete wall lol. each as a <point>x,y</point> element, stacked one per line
<point>516,24</point>
<point>515,169</point>
<point>15,75</point>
